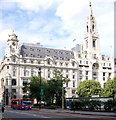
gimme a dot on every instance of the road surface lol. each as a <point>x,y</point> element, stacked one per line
<point>10,113</point>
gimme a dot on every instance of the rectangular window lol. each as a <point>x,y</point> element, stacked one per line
<point>32,73</point>
<point>73,83</point>
<point>94,43</point>
<point>80,71</point>
<point>24,72</point>
<point>79,55</point>
<point>103,73</point>
<point>86,77</point>
<point>86,62</point>
<point>6,81</point>
<point>14,73</point>
<point>14,90</point>
<point>104,78</point>
<point>48,75</point>
<point>102,57</point>
<point>66,76</point>
<point>73,76</point>
<point>87,72</point>
<point>80,77</point>
<point>80,61</point>
<point>73,71</point>
<point>66,70</point>
<point>109,75</point>
<point>13,81</point>
<point>25,81</point>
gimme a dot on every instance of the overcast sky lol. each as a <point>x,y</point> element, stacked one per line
<point>56,23</point>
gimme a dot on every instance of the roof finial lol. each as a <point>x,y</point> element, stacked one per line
<point>90,4</point>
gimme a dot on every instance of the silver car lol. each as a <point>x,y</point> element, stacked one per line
<point>1,107</point>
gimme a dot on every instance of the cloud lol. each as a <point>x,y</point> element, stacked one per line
<point>52,22</point>
<point>34,5</point>
<point>70,8</point>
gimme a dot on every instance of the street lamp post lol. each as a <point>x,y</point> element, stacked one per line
<point>40,86</point>
<point>10,95</point>
<point>62,98</point>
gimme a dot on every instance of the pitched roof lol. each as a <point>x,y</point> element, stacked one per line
<point>41,52</point>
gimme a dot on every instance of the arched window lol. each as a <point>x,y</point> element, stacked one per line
<point>93,28</point>
<point>87,28</point>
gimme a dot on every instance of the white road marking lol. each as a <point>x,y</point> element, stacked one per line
<point>35,115</point>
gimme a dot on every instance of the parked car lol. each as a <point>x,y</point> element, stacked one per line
<point>1,107</point>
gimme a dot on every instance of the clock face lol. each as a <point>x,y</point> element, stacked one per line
<point>13,43</point>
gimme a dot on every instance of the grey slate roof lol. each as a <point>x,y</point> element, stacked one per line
<point>41,52</point>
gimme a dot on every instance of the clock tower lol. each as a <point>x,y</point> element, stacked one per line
<point>12,46</point>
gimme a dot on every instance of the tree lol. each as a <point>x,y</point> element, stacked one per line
<point>87,88</point>
<point>110,88</point>
<point>55,86</point>
<point>33,87</point>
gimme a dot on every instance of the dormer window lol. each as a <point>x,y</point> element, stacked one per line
<point>48,62</point>
<point>24,61</point>
<point>73,64</point>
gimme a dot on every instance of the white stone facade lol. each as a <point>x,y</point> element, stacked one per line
<point>83,62</point>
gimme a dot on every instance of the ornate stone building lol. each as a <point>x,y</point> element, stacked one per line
<point>83,62</point>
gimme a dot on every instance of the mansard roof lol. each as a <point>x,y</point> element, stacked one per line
<point>41,52</point>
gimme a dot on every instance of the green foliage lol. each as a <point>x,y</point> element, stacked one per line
<point>34,87</point>
<point>54,88</point>
<point>87,88</point>
<point>110,88</point>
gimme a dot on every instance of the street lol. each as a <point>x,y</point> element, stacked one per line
<point>10,113</point>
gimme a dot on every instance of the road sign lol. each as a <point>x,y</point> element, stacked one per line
<point>42,93</point>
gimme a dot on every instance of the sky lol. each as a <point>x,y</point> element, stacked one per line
<point>56,23</point>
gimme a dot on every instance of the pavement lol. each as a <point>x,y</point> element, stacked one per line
<point>0,115</point>
<point>78,112</point>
